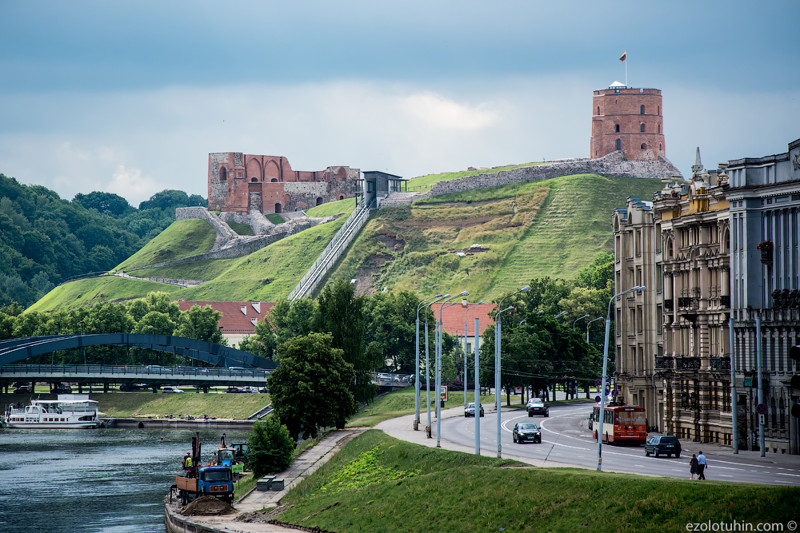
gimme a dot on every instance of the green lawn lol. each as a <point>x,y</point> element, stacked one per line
<point>377,483</point>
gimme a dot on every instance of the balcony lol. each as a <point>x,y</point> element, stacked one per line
<point>720,363</point>
<point>665,363</point>
<point>668,305</point>
<point>687,363</point>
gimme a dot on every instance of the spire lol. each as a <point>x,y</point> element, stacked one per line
<point>698,165</point>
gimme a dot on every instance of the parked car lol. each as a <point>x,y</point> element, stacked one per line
<point>469,410</point>
<point>129,387</point>
<point>62,389</point>
<point>233,389</point>
<point>23,389</point>
<point>526,431</point>
<point>662,445</point>
<point>536,406</point>
<point>170,389</point>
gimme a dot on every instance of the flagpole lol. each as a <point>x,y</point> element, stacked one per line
<point>626,70</point>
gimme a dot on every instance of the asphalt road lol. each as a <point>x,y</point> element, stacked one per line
<point>566,440</point>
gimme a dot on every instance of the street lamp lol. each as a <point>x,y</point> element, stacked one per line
<point>427,362</point>
<point>438,366</point>
<point>465,350</point>
<point>587,327</point>
<point>416,367</point>
<point>497,328</point>
<point>579,318</point>
<point>603,381</point>
<point>559,315</point>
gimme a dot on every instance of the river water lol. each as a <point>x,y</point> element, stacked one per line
<point>105,480</point>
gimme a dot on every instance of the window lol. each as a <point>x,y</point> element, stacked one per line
<point>619,144</point>
<point>644,146</point>
<point>616,128</point>
<point>598,110</point>
<point>641,109</point>
<point>223,174</point>
<point>641,127</point>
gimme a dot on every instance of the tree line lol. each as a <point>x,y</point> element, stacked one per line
<point>45,240</point>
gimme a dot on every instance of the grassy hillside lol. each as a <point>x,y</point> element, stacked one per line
<point>377,483</point>
<point>549,228</point>
<point>423,183</point>
<point>182,238</point>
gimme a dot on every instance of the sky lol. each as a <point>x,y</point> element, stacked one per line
<point>130,97</point>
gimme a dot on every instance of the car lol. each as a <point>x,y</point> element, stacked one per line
<point>154,369</point>
<point>536,406</point>
<point>62,389</point>
<point>23,389</point>
<point>170,389</point>
<point>129,387</point>
<point>236,369</point>
<point>526,431</point>
<point>662,445</point>
<point>469,410</point>
<point>233,389</point>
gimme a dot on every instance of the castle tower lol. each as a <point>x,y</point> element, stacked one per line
<point>629,120</point>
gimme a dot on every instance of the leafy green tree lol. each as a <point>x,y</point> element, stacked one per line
<point>270,447</point>
<point>311,387</point>
<point>341,314</point>
<point>391,322</point>
<point>286,320</point>
<point>201,323</point>
<point>104,202</point>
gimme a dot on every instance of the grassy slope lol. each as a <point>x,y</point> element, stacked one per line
<point>94,291</point>
<point>183,238</point>
<point>408,487</point>
<point>422,183</point>
<point>554,227</point>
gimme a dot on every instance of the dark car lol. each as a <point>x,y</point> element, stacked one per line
<point>62,389</point>
<point>469,410</point>
<point>527,432</point>
<point>23,389</point>
<point>662,445</point>
<point>536,406</point>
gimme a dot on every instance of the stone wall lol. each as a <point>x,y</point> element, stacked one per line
<point>612,165</point>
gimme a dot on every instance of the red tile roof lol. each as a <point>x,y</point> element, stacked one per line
<point>237,317</point>
<point>453,318</point>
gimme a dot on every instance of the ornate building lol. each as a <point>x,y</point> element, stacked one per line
<point>765,283</point>
<point>240,183</point>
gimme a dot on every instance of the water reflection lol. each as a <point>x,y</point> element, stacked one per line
<point>105,480</point>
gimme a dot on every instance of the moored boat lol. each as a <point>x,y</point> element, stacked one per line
<point>75,411</point>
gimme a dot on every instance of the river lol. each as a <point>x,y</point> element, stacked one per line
<point>106,480</point>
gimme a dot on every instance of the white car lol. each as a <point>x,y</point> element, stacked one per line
<point>170,389</point>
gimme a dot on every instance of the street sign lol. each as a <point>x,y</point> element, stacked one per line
<point>615,393</point>
<point>597,399</point>
<point>747,382</point>
<point>761,420</point>
<point>597,382</point>
<point>761,408</point>
<point>443,393</point>
<point>608,392</point>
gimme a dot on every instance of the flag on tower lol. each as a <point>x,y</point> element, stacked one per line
<point>623,56</point>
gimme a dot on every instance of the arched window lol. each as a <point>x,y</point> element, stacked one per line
<point>644,146</point>
<point>223,174</point>
<point>659,128</point>
<point>619,144</point>
<point>616,128</point>
<point>341,197</point>
<point>641,127</point>
<point>641,109</point>
<point>598,110</point>
<point>254,180</point>
<point>319,200</point>
<point>273,180</point>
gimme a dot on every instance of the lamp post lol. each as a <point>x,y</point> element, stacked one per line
<point>427,362</point>
<point>465,350</point>
<point>438,367</point>
<point>497,334</point>
<point>603,381</point>
<point>416,366</point>
<point>587,327</point>
<point>559,315</point>
<point>84,348</point>
<point>579,318</point>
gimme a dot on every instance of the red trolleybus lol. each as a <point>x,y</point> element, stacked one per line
<point>621,423</point>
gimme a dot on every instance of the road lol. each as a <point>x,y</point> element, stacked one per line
<point>566,440</point>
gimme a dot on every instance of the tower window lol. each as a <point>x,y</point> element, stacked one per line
<point>659,128</point>
<point>619,144</point>
<point>223,174</point>
<point>644,146</point>
<point>641,109</point>
<point>641,128</point>
<point>616,128</point>
<point>598,110</point>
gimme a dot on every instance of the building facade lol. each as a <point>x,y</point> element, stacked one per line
<point>765,284</point>
<point>628,120</point>
<point>241,183</point>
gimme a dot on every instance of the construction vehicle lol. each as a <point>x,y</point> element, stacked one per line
<point>215,480</point>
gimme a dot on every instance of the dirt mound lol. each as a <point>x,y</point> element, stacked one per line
<point>207,506</point>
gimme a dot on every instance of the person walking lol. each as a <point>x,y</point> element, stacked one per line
<point>693,465</point>
<point>702,464</point>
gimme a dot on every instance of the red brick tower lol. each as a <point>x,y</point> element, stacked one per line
<point>629,120</point>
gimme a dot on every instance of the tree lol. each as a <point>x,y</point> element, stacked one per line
<point>391,322</point>
<point>270,447</point>
<point>341,314</point>
<point>311,387</point>
<point>286,320</point>
<point>201,323</point>
<point>104,202</point>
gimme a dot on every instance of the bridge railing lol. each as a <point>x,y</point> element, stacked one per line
<point>153,371</point>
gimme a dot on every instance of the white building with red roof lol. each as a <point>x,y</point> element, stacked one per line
<point>453,321</point>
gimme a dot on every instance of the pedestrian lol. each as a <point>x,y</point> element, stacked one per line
<point>702,464</point>
<point>187,464</point>
<point>693,465</point>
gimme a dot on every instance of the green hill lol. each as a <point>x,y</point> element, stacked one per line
<point>490,241</point>
<point>487,241</point>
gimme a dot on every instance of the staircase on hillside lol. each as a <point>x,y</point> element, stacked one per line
<point>332,252</point>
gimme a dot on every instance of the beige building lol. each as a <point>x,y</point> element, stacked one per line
<point>672,343</point>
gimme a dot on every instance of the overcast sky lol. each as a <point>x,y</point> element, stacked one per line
<point>130,96</point>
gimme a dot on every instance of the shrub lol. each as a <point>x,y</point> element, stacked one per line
<point>270,447</point>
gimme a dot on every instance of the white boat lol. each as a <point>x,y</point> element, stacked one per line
<point>75,411</point>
